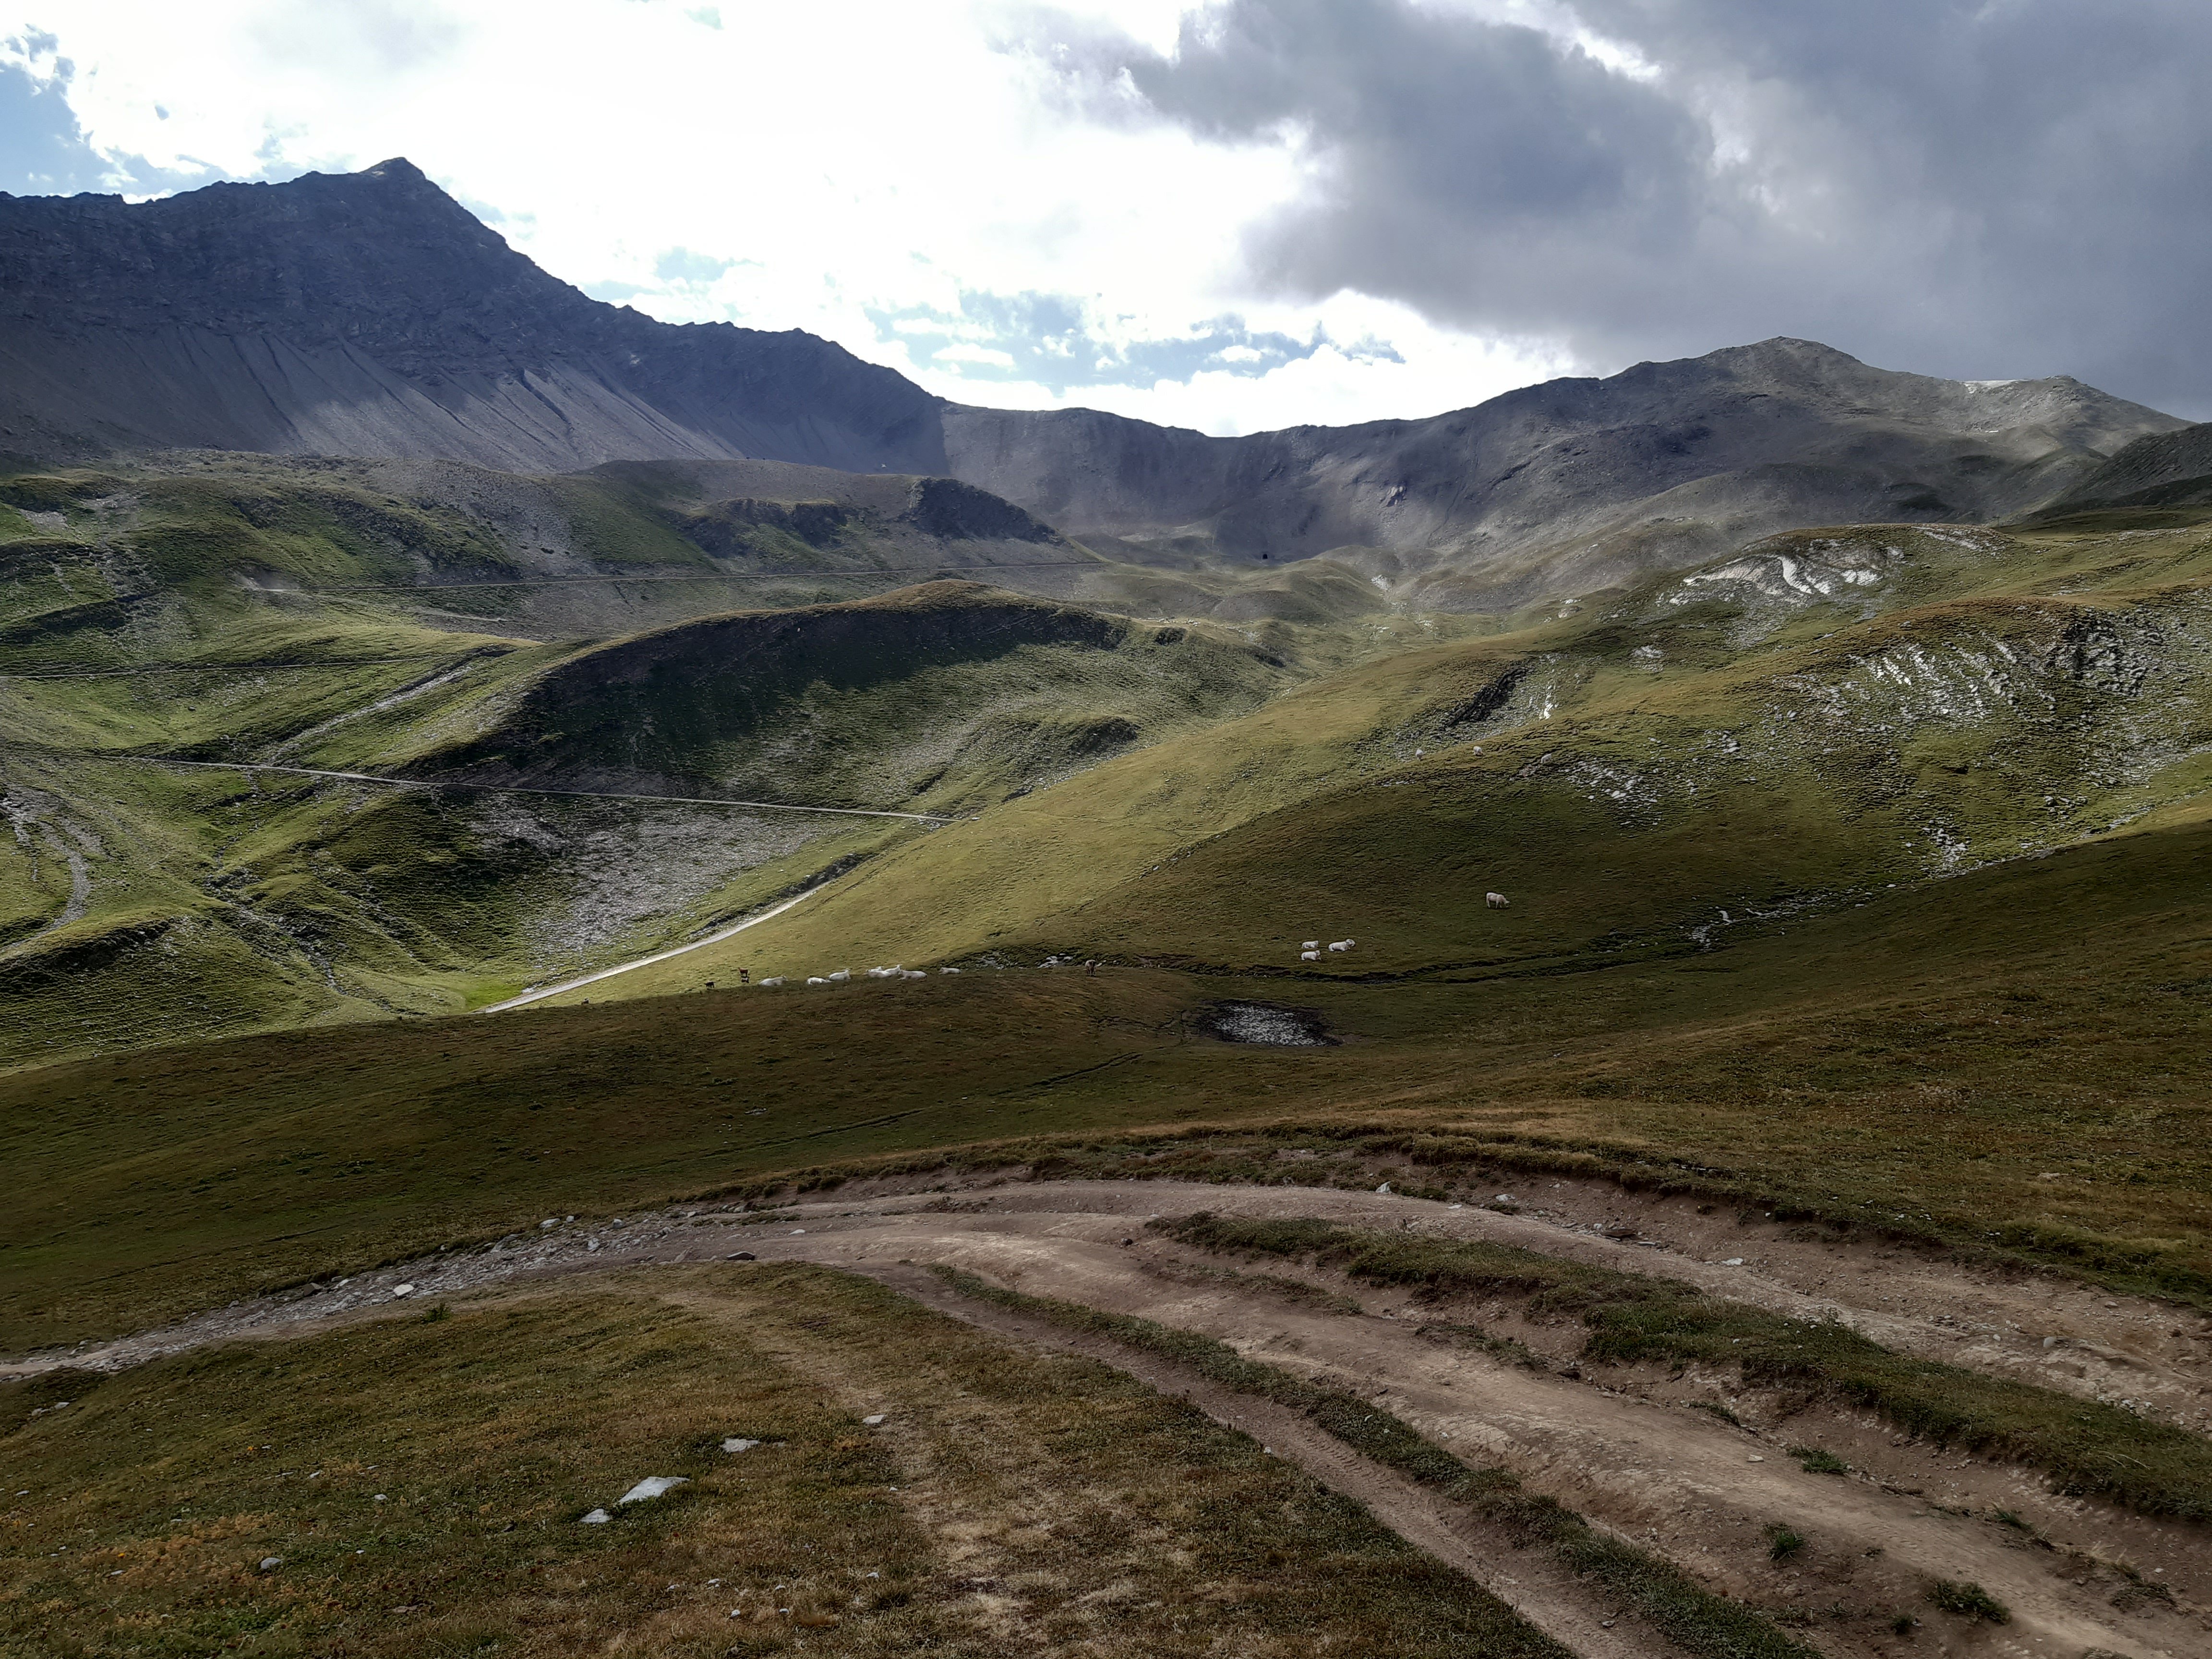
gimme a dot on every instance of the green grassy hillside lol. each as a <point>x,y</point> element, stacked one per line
<point>424,618</point>
<point>1928,1059</point>
<point>1654,775</point>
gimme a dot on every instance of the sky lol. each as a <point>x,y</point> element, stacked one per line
<point>1242,214</point>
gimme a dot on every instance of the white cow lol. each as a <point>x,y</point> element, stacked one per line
<point>1310,944</point>
<point>1308,955</point>
<point>816,979</point>
<point>766,983</point>
<point>948,970</point>
<point>1341,945</point>
<point>841,976</point>
<point>1496,900</point>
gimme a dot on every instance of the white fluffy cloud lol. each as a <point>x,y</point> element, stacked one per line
<point>844,168</point>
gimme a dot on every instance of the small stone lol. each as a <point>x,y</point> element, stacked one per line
<point>381,1498</point>
<point>652,1487</point>
<point>741,1445</point>
<point>799,1232</point>
<point>403,1289</point>
<point>742,1255</point>
<point>271,1563</point>
<point>1756,1458</point>
<point>1384,1188</point>
<point>596,1518</point>
<point>1503,1198</point>
<point>548,1221</point>
<point>871,1422</point>
<point>1732,1261</point>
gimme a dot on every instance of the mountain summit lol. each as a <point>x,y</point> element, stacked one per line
<point>371,314</point>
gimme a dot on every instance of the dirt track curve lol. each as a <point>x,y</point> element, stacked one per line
<point>1622,1444</point>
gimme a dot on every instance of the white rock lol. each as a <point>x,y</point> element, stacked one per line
<point>271,1563</point>
<point>740,1445</point>
<point>799,1232</point>
<point>403,1289</point>
<point>596,1518</point>
<point>1384,1188</point>
<point>548,1222</point>
<point>1732,1261</point>
<point>652,1487</point>
<point>872,1421</point>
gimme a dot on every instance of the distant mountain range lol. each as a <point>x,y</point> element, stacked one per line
<point>370,314</point>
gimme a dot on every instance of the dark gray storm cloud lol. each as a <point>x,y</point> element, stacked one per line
<point>1987,189</point>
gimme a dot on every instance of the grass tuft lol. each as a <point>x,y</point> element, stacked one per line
<point>1969,1600</point>
<point>2088,1447</point>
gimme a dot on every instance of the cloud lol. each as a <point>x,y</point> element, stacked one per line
<point>44,151</point>
<point>1252,212</point>
<point>680,264</point>
<point>1983,188</point>
<point>1055,342</point>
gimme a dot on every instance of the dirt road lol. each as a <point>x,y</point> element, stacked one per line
<point>1639,1450</point>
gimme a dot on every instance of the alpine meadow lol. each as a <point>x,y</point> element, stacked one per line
<point>662,994</point>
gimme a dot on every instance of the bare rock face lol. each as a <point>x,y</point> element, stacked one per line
<point>370,313</point>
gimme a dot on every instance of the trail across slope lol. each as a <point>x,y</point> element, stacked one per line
<point>1636,1449</point>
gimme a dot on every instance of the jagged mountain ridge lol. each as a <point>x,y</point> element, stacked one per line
<point>370,314</point>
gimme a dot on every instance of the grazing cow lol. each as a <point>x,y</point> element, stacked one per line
<point>1496,900</point>
<point>1341,945</point>
<point>1308,955</point>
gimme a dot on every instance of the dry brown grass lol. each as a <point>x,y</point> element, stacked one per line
<point>1014,1500</point>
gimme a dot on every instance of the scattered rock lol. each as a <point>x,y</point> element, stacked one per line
<point>403,1289</point>
<point>1264,1024</point>
<point>872,1421</point>
<point>1732,1261</point>
<point>741,1445</point>
<point>742,1255</point>
<point>652,1487</point>
<point>271,1563</point>
<point>596,1518</point>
